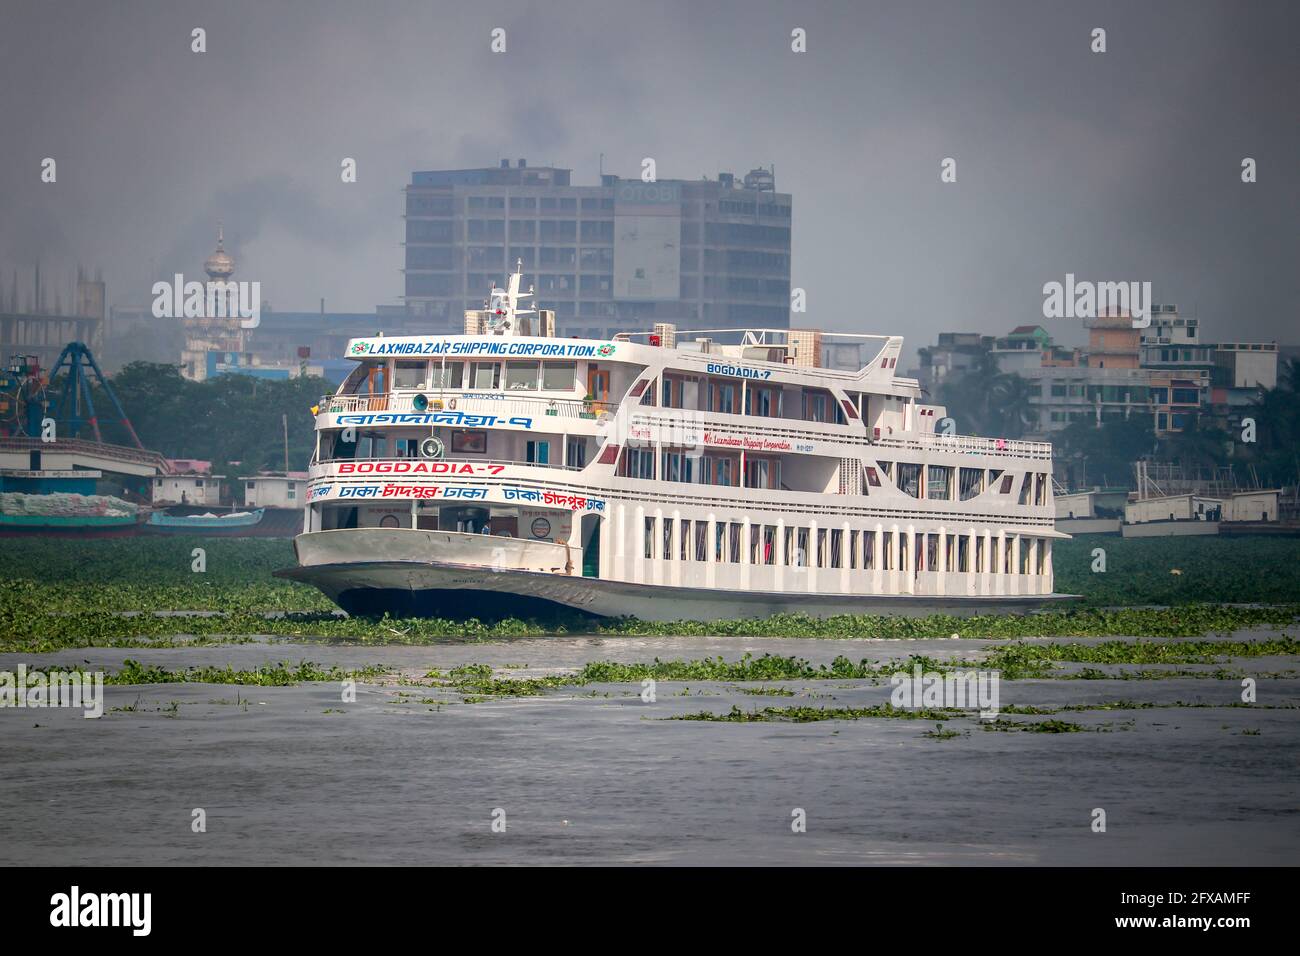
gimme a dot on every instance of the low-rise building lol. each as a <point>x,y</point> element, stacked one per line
<point>276,491</point>
<point>192,489</point>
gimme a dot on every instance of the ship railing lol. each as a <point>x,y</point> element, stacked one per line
<point>968,444</point>
<point>454,461</point>
<point>799,430</point>
<point>503,404</point>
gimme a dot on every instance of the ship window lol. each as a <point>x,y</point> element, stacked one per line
<point>939,482</point>
<point>1040,489</point>
<point>1025,545</point>
<point>576,453</point>
<point>971,481</point>
<point>668,539</point>
<point>762,473</point>
<point>1041,551</point>
<point>902,551</point>
<point>701,541</point>
<point>873,478</point>
<point>763,401</point>
<point>447,376</point>
<point>649,550</point>
<point>853,550</point>
<point>724,398</point>
<point>684,537</point>
<point>1006,484</point>
<point>538,452</point>
<point>932,552</point>
<point>410,374</point>
<point>801,549</point>
<point>1007,567</point>
<point>1024,488</point>
<point>868,550</point>
<point>963,552</point>
<point>769,544</point>
<point>979,554</point>
<point>487,375</point>
<point>719,536</point>
<point>733,540</point>
<point>888,468</point>
<point>837,548</point>
<point>638,463</point>
<point>522,376</point>
<point>909,478</point>
<point>814,407</point>
<point>887,550</point>
<point>559,376</point>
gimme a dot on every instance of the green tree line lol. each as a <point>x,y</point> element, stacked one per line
<point>229,418</point>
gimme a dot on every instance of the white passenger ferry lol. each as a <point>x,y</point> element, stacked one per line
<point>665,475</point>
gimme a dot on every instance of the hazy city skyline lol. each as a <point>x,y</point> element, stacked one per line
<point>1118,166</point>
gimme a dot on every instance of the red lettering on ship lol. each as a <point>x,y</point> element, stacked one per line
<point>413,468</point>
<point>749,444</point>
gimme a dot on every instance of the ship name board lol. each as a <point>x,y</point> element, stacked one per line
<point>754,443</point>
<point>738,371</point>
<point>416,468</point>
<point>459,419</point>
<point>480,347</point>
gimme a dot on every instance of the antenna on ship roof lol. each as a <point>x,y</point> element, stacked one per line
<point>504,303</point>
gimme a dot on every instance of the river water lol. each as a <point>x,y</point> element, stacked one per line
<point>294,775</point>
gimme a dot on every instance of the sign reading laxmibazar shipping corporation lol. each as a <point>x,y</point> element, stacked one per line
<point>480,347</point>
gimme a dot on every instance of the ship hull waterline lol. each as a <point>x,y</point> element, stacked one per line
<point>439,589</point>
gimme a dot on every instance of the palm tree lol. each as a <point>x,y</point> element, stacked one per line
<point>1010,410</point>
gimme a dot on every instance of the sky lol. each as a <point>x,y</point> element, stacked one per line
<point>1115,166</point>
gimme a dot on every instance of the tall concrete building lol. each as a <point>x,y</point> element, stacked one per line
<point>614,257</point>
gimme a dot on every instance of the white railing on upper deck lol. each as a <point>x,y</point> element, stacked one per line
<point>504,405</point>
<point>968,444</point>
<point>801,430</point>
<point>455,460</point>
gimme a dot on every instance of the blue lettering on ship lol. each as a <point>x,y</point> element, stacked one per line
<point>738,371</point>
<point>532,349</point>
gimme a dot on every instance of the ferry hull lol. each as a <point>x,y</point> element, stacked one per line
<point>438,589</point>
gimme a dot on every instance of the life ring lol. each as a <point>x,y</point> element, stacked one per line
<point>451,404</point>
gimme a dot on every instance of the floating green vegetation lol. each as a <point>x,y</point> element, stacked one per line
<point>282,674</point>
<point>1218,569</point>
<point>477,683</point>
<point>31,621</point>
<point>767,691</point>
<point>940,734</point>
<point>1053,726</point>
<point>1018,661</point>
<point>804,715</point>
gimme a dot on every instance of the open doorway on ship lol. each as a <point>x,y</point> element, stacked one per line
<point>589,541</point>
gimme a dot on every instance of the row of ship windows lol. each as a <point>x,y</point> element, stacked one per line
<point>935,482</point>
<point>926,482</point>
<point>685,539</point>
